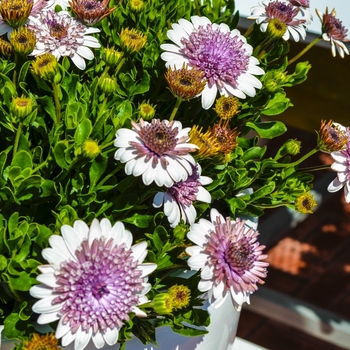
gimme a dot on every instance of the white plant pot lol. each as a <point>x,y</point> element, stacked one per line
<point>222,332</point>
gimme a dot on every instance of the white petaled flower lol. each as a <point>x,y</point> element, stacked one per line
<point>62,35</point>
<point>178,199</point>
<point>342,167</point>
<point>157,150</point>
<point>94,279</point>
<point>222,55</point>
<point>283,11</point>
<point>304,9</point>
<point>334,31</point>
<point>22,8</point>
<point>229,258</point>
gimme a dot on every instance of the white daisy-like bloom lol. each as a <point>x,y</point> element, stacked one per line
<point>157,150</point>
<point>28,9</point>
<point>94,279</point>
<point>342,166</point>
<point>223,55</point>
<point>334,32</point>
<point>283,11</point>
<point>62,35</point>
<point>304,9</point>
<point>178,199</point>
<point>229,258</point>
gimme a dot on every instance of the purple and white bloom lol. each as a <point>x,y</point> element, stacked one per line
<point>157,150</point>
<point>178,199</point>
<point>94,279</point>
<point>334,31</point>
<point>229,257</point>
<point>304,9</point>
<point>285,12</point>
<point>342,167</point>
<point>38,6</point>
<point>62,35</point>
<point>222,55</point>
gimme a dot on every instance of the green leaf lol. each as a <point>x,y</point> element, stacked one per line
<point>141,221</point>
<point>59,154</point>
<point>23,160</point>
<point>142,87</point>
<point>262,192</point>
<point>83,131</point>
<point>98,167</point>
<point>254,153</point>
<point>278,104</point>
<point>24,71</point>
<point>269,129</point>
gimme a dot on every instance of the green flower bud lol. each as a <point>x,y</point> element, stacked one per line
<point>23,40</point>
<point>107,85</point>
<point>46,67</point>
<point>91,148</point>
<point>162,304</point>
<point>276,29</point>
<point>293,147</point>
<point>21,106</point>
<point>111,57</point>
<point>147,111</point>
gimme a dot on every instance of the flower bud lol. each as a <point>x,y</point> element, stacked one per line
<point>46,67</point>
<point>6,48</point>
<point>107,85</point>
<point>136,5</point>
<point>276,29</point>
<point>132,40</point>
<point>180,296</point>
<point>293,147</point>
<point>91,148</point>
<point>305,203</point>
<point>21,106</point>
<point>147,111</point>
<point>23,40</point>
<point>162,304</point>
<point>111,57</point>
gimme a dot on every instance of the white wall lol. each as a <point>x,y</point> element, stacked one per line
<point>341,6</point>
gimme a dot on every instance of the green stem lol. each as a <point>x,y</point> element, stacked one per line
<point>18,134</point>
<point>297,162</point>
<point>120,65</point>
<point>15,72</point>
<point>176,107</point>
<point>302,52</point>
<point>249,30</point>
<point>57,103</point>
<point>106,145</point>
<point>316,168</point>
<point>197,7</point>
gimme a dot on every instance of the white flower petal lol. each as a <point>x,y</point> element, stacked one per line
<point>111,336</point>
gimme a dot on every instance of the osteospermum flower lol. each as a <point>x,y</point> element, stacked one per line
<point>91,11</point>
<point>305,203</point>
<point>226,107</point>
<point>94,279</point>
<point>342,167</point>
<point>178,199</point>
<point>157,150</point>
<point>304,9</point>
<point>15,13</point>
<point>23,40</point>
<point>208,146</point>
<point>222,55</point>
<point>62,35</point>
<point>332,136</point>
<point>285,12</point>
<point>229,258</point>
<point>46,341</point>
<point>334,31</point>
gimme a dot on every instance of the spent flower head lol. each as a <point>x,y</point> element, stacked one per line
<point>185,83</point>
<point>180,296</point>
<point>38,341</point>
<point>91,12</point>
<point>332,136</point>
<point>305,203</point>
<point>227,107</point>
<point>334,32</point>
<point>223,56</point>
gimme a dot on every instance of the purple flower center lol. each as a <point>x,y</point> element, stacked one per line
<point>282,11</point>
<point>334,27</point>
<point>185,192</point>
<point>219,55</point>
<point>99,289</point>
<point>57,30</point>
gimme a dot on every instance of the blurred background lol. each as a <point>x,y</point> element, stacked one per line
<point>305,302</point>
